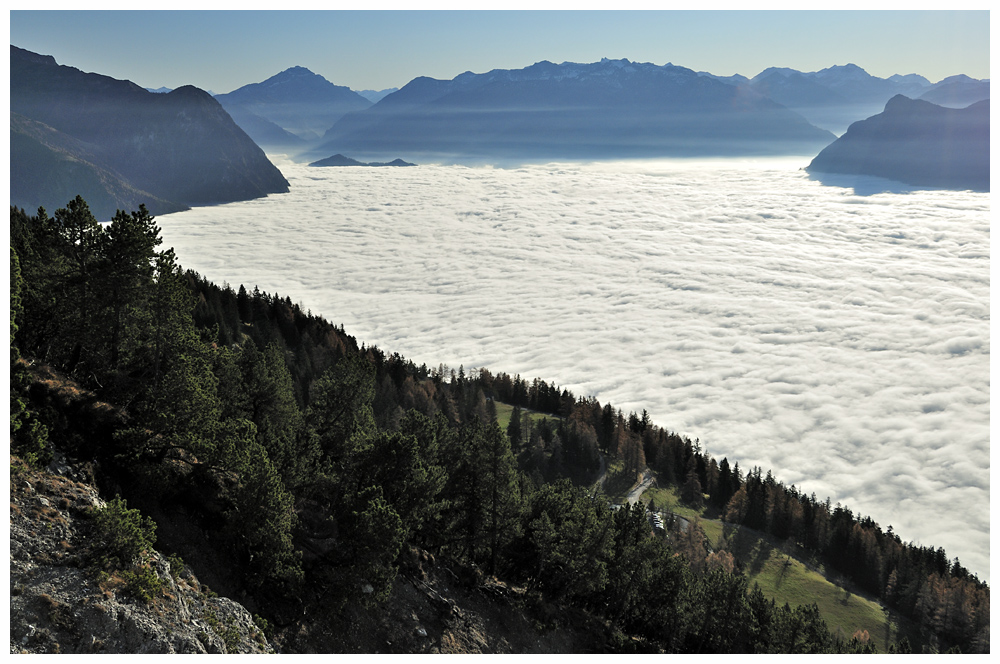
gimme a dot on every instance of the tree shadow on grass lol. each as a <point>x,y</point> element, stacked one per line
<point>748,546</point>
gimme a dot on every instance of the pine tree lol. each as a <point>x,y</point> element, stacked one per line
<point>273,409</point>
<point>341,406</point>
<point>128,246</point>
<point>514,430</point>
<point>262,520</point>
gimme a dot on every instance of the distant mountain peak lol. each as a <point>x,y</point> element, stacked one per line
<point>899,102</point>
<point>848,71</point>
<point>293,74</point>
<point>776,71</point>
<point>958,78</point>
<point>910,78</point>
<point>189,92</point>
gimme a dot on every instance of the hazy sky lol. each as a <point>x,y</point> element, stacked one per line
<point>223,50</point>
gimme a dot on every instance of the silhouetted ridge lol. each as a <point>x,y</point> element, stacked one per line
<point>918,143</point>
<point>118,144</point>
<point>341,160</point>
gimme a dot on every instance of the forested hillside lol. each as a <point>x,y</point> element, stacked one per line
<point>295,470</point>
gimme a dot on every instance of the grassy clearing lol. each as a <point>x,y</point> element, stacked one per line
<point>785,578</point>
<point>504,410</point>
<point>713,532</point>
<point>667,499</point>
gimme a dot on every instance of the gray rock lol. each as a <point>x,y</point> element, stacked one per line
<point>57,606</point>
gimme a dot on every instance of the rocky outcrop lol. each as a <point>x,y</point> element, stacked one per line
<point>61,602</point>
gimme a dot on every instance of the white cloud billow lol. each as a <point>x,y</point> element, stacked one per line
<point>840,340</point>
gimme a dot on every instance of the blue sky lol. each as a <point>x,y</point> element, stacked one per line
<point>223,50</point>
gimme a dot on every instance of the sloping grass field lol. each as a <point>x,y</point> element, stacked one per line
<point>785,576</point>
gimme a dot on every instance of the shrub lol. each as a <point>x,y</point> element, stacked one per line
<point>122,535</point>
<point>176,565</point>
<point>142,583</point>
<point>263,625</point>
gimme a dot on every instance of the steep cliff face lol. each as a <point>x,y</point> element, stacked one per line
<point>100,137</point>
<point>61,603</point>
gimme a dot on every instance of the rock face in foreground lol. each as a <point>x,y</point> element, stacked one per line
<point>60,604</point>
<point>918,143</point>
<point>118,145</point>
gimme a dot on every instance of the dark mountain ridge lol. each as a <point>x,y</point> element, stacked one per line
<point>916,142</point>
<point>179,148</point>
<point>608,109</point>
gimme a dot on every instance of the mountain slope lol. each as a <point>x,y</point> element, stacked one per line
<point>181,148</point>
<point>297,100</point>
<point>609,109</point>
<point>918,143</point>
<point>264,132</point>
<point>52,166</point>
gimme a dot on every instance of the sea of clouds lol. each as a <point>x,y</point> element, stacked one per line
<point>836,338</point>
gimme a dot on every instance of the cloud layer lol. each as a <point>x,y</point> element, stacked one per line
<point>840,340</point>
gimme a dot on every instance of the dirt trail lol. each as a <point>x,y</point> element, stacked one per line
<point>648,478</point>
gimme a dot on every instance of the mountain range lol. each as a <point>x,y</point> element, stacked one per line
<point>119,145</point>
<point>612,108</point>
<point>608,109</point>
<point>835,97</point>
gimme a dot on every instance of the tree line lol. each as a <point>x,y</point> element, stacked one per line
<point>310,464</point>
